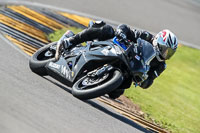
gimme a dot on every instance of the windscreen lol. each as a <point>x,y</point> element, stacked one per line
<point>147,51</point>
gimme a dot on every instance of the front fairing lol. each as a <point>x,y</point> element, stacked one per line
<point>139,57</point>
<point>147,51</point>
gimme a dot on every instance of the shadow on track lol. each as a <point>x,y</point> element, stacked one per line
<point>58,84</point>
<point>116,116</point>
<point>103,109</point>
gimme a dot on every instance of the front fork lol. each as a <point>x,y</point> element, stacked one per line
<point>100,72</point>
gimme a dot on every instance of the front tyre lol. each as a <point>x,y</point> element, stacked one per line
<point>87,88</point>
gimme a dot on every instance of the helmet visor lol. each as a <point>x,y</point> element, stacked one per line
<point>166,52</point>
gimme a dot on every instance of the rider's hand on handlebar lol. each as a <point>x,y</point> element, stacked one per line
<point>120,35</point>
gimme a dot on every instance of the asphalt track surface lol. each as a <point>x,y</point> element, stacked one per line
<point>29,103</point>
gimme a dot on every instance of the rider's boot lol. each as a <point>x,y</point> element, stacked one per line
<point>63,42</point>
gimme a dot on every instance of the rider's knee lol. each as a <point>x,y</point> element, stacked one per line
<point>107,32</point>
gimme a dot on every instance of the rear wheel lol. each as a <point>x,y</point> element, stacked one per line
<point>41,57</point>
<point>89,87</point>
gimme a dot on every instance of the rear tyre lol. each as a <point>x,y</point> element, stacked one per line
<point>40,58</point>
<point>86,88</point>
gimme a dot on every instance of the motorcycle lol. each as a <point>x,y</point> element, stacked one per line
<point>96,69</point>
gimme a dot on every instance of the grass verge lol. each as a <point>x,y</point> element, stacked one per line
<point>57,34</point>
<point>173,100</point>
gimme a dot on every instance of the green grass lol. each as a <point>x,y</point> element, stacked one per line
<point>173,101</point>
<point>57,34</point>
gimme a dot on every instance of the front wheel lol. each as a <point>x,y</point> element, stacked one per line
<point>87,87</point>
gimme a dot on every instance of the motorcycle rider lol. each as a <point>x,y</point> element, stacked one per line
<point>165,44</point>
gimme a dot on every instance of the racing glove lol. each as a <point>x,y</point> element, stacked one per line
<point>120,35</point>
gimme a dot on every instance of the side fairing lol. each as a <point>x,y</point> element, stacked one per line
<point>81,58</point>
<point>61,71</point>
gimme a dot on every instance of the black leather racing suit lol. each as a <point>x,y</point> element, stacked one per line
<point>102,32</point>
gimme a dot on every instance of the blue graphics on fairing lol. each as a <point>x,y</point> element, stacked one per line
<point>118,43</point>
